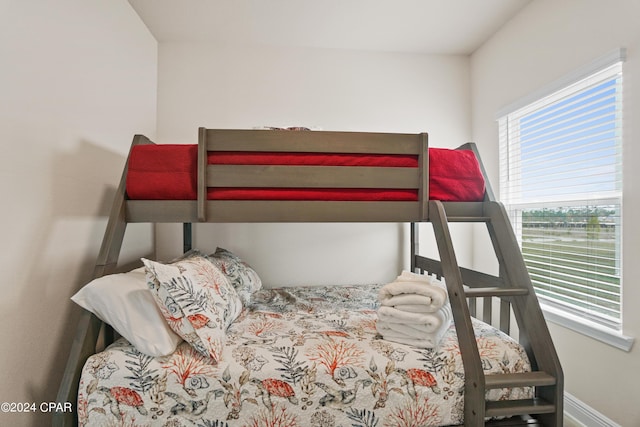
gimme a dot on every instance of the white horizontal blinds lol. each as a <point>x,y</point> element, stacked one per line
<point>561,163</point>
<point>575,262</point>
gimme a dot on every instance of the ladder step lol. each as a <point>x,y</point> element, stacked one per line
<point>525,379</point>
<point>495,292</point>
<point>517,421</point>
<point>504,408</point>
<point>468,219</point>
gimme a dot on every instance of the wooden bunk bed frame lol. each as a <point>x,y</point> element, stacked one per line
<point>512,286</point>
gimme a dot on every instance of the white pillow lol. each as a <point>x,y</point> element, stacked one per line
<point>125,302</point>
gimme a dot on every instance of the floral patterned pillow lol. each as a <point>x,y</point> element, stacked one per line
<point>197,301</point>
<point>244,279</point>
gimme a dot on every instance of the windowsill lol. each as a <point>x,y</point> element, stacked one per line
<point>590,329</point>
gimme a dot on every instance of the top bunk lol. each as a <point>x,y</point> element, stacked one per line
<point>300,176</point>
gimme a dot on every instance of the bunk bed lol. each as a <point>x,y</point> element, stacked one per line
<point>318,176</point>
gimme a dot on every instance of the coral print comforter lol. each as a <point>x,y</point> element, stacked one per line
<point>307,356</point>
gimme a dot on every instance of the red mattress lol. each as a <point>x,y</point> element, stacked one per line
<point>168,172</point>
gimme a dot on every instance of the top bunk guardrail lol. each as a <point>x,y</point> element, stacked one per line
<point>218,177</point>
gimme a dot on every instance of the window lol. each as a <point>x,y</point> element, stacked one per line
<point>561,182</point>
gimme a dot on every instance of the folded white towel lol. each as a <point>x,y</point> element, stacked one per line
<point>401,328</point>
<point>422,322</point>
<point>413,292</point>
<point>411,299</point>
<point>426,340</point>
<point>415,308</point>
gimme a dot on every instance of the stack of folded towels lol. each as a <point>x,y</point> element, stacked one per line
<point>414,309</point>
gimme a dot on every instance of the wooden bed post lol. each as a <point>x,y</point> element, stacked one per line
<point>423,196</point>
<point>488,190</point>
<point>202,174</point>
<point>187,237</point>
<point>423,164</point>
<point>415,244</point>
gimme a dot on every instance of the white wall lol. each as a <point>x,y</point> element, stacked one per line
<point>546,41</point>
<point>77,80</point>
<point>247,86</point>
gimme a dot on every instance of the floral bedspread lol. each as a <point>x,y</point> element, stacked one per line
<point>306,356</point>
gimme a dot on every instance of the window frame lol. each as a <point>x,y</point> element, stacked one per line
<point>553,312</point>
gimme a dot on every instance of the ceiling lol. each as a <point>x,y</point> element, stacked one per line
<point>456,27</point>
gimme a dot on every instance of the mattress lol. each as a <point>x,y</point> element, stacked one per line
<point>304,356</point>
<point>168,172</point>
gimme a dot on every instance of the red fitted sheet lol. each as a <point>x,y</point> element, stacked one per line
<point>168,172</point>
<point>311,159</point>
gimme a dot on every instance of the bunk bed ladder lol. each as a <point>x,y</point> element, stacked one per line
<point>513,286</point>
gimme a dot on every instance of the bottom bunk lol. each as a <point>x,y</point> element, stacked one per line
<point>304,356</point>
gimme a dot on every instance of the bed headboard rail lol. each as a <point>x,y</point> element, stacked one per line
<point>309,177</point>
<point>310,141</point>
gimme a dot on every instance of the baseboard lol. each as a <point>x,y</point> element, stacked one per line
<point>580,412</point>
